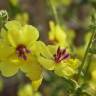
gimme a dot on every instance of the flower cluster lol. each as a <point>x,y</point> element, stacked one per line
<point>20,49</point>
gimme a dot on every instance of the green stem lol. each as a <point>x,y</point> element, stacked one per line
<point>88,66</point>
<point>85,56</point>
<point>89,61</point>
<point>54,11</point>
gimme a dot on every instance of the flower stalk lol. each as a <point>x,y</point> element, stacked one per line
<point>92,27</point>
<point>53,8</point>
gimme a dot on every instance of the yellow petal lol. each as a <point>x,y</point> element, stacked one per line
<point>29,34</point>
<point>32,69</point>
<point>53,48</point>
<point>13,33</point>
<point>36,84</point>
<point>44,51</point>
<point>21,34</point>
<point>5,51</point>
<point>3,35</point>
<point>60,34</point>
<point>63,70</point>
<point>26,90</point>
<point>73,63</point>
<point>34,48</point>
<point>46,63</point>
<point>13,25</point>
<point>66,72</point>
<point>52,30</point>
<point>8,68</point>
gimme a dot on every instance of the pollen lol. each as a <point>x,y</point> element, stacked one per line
<point>22,51</point>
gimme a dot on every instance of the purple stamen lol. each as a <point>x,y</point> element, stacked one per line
<point>21,51</point>
<point>58,50</point>
<point>64,51</point>
<point>66,56</point>
<point>60,55</point>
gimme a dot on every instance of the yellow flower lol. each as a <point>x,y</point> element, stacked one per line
<point>27,90</point>
<point>18,51</point>
<point>22,17</point>
<point>14,2</point>
<point>57,59</point>
<point>59,36</point>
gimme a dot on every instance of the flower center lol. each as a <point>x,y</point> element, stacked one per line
<point>60,55</point>
<point>21,51</point>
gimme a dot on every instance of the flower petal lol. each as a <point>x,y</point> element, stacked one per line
<point>73,63</point>
<point>8,68</point>
<point>34,48</point>
<point>32,69</point>
<point>46,63</point>
<point>44,51</point>
<point>64,70</point>
<point>5,51</point>
<point>29,34</point>
<point>53,48</point>
<point>13,32</point>
<point>13,25</point>
<point>21,34</point>
<point>36,84</point>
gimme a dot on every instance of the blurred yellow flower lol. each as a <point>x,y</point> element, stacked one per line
<point>27,90</point>
<point>57,35</point>
<point>94,74</point>
<point>14,2</point>
<point>57,59</point>
<point>22,17</point>
<point>18,50</point>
